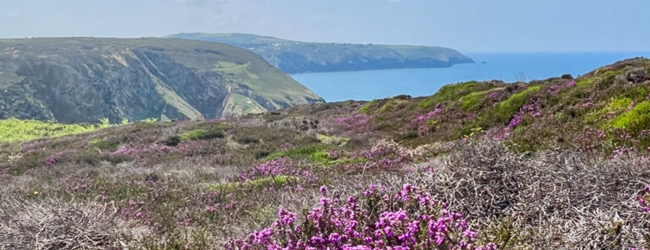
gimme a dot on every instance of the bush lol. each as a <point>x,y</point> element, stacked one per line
<point>366,108</point>
<point>408,219</point>
<point>200,134</point>
<point>172,141</point>
<point>248,140</point>
<point>635,120</point>
<point>507,108</point>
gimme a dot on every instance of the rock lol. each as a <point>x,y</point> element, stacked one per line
<point>637,75</point>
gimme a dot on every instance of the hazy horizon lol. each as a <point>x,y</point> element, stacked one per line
<point>471,26</point>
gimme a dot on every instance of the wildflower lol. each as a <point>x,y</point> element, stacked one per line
<point>36,193</point>
<point>338,222</point>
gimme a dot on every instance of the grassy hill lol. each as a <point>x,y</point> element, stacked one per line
<point>555,164</point>
<point>84,79</point>
<point>300,57</point>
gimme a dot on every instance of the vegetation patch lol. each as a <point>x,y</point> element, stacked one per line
<point>304,151</point>
<point>258,183</point>
<point>366,108</point>
<point>585,82</point>
<point>392,105</point>
<point>453,92</point>
<point>472,101</point>
<point>213,132</point>
<point>332,140</point>
<point>635,120</point>
<point>15,130</point>
<point>511,105</point>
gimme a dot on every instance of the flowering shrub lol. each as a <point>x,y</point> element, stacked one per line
<point>420,122</point>
<point>641,199</point>
<point>532,108</point>
<point>354,123</point>
<point>556,89</point>
<point>53,159</point>
<point>281,166</point>
<point>408,219</point>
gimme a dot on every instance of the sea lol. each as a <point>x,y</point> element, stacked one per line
<point>507,67</point>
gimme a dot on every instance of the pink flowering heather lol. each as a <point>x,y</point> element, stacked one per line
<point>430,115</point>
<point>556,89</point>
<point>642,199</point>
<point>496,96</point>
<point>407,219</point>
<point>355,123</point>
<point>532,108</point>
<point>53,159</point>
<point>622,151</point>
<point>421,120</point>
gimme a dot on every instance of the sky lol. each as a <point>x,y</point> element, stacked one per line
<point>465,25</point>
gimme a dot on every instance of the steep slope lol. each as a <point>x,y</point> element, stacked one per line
<point>84,79</point>
<point>299,57</point>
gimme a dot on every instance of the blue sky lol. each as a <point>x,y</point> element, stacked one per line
<point>466,25</point>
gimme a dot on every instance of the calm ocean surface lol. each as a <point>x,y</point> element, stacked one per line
<point>508,67</point>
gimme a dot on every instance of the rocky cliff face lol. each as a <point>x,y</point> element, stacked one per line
<point>85,79</point>
<point>300,57</point>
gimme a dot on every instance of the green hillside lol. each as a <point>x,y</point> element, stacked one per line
<point>85,79</point>
<point>299,57</point>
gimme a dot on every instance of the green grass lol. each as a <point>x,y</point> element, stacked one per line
<point>585,82</point>
<point>511,105</point>
<point>14,130</point>
<point>366,108</point>
<point>473,100</point>
<point>259,183</point>
<point>177,102</point>
<point>269,83</point>
<point>451,92</point>
<point>241,105</point>
<point>634,120</point>
<point>316,153</point>
<point>332,140</point>
<point>615,106</point>
<point>205,134</point>
<point>305,151</point>
<point>391,106</point>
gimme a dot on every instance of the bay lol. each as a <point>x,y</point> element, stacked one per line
<point>508,67</point>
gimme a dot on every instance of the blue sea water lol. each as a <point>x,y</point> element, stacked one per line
<point>508,67</point>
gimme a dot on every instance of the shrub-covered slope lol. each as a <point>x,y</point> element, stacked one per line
<point>300,57</point>
<point>554,164</point>
<point>606,110</point>
<point>84,79</point>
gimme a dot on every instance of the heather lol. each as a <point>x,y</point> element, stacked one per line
<point>554,164</point>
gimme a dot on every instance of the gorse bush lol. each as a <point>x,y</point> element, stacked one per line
<point>378,219</point>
